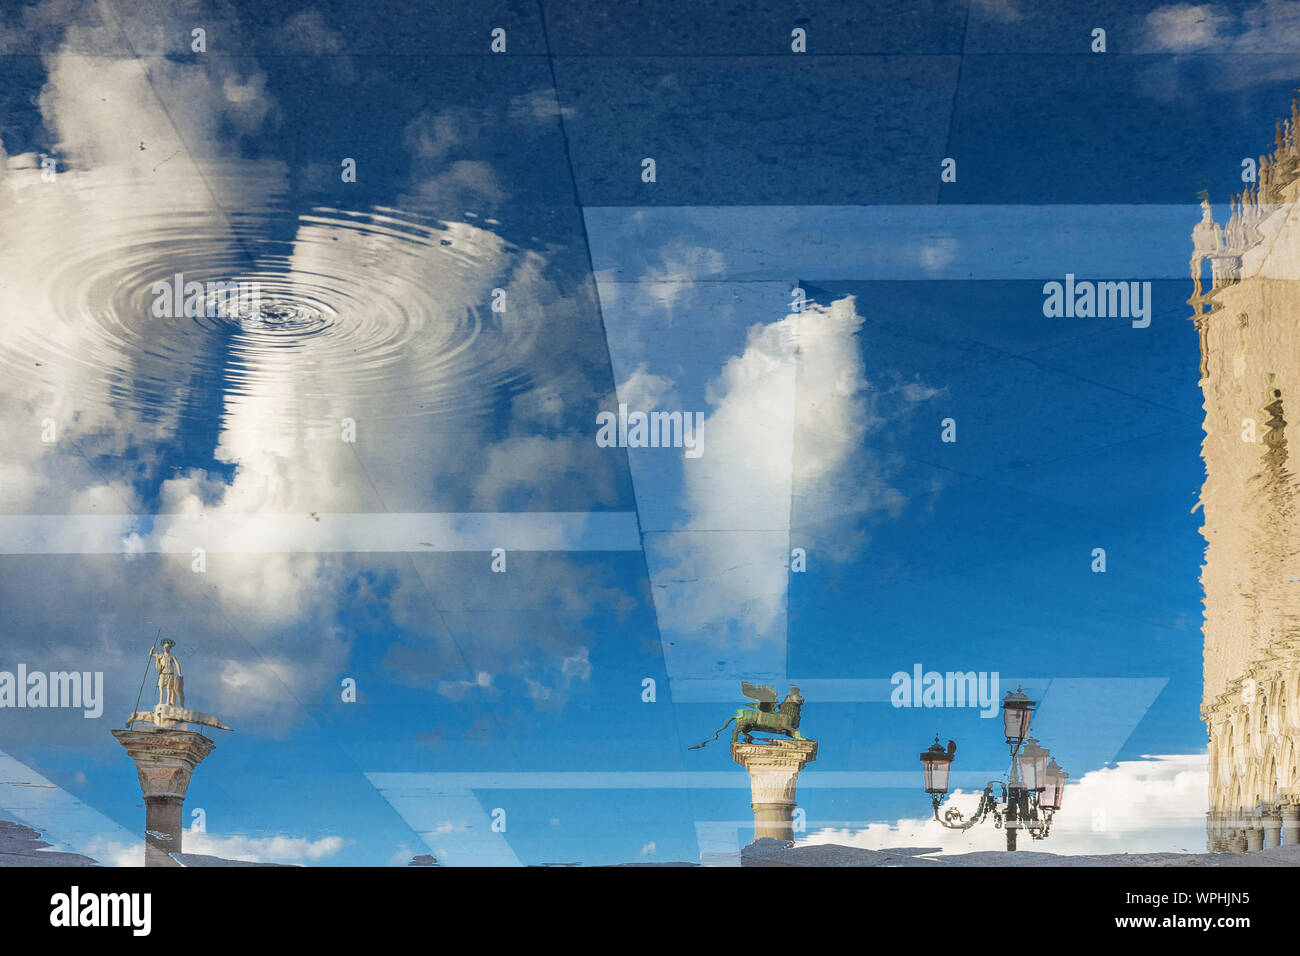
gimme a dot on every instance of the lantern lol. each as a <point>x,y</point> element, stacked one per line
<point>935,764</point>
<point>1050,798</point>
<point>1033,765</point>
<point>1016,711</point>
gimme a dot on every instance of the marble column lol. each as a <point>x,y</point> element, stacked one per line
<point>1216,839</point>
<point>1291,824</point>
<point>1254,838</point>
<point>164,761</point>
<point>1272,824</point>
<point>773,768</point>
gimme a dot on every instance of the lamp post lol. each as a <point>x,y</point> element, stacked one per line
<point>1031,794</point>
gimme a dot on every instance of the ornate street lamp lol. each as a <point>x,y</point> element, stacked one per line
<point>1029,797</point>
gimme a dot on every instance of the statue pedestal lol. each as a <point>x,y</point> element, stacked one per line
<point>164,761</point>
<point>773,768</point>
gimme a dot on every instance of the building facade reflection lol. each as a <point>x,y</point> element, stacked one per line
<point>1246,309</point>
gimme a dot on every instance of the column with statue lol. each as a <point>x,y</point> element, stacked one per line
<point>165,756</point>
<point>773,764</point>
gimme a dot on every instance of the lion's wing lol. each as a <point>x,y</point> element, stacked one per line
<point>758,692</point>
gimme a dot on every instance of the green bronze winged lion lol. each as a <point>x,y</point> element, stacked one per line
<point>769,717</point>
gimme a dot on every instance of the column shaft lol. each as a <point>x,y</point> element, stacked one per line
<point>163,829</point>
<point>1254,838</point>
<point>164,761</point>
<point>1291,824</point>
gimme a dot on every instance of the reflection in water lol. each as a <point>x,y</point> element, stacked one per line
<point>1249,327</point>
<point>385,308</point>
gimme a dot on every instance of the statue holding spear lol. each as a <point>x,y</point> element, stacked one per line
<point>171,711</point>
<point>171,682</point>
<point>145,676</point>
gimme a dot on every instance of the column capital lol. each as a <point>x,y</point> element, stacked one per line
<point>164,759</point>
<point>775,754</point>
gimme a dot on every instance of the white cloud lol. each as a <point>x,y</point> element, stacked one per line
<point>936,256</point>
<point>681,266</point>
<point>1156,804</point>
<point>273,849</point>
<point>103,110</point>
<point>74,255</point>
<point>539,105</point>
<point>1186,27</point>
<point>534,466</point>
<point>458,689</point>
<point>917,392</point>
<point>643,391</point>
<point>790,417</point>
<point>1272,26</point>
<point>401,856</point>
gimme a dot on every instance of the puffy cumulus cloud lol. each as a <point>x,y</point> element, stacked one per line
<point>112,853</point>
<point>260,670</point>
<point>786,435</point>
<point>77,347</point>
<point>644,390</point>
<point>273,849</point>
<point>65,287</point>
<point>76,260</point>
<point>249,849</point>
<point>74,309</point>
<point>519,470</point>
<point>1156,804</point>
<point>102,110</point>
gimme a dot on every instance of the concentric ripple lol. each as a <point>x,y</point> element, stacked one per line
<point>158,297</point>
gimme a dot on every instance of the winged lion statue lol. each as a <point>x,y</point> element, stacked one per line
<point>769,716</point>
